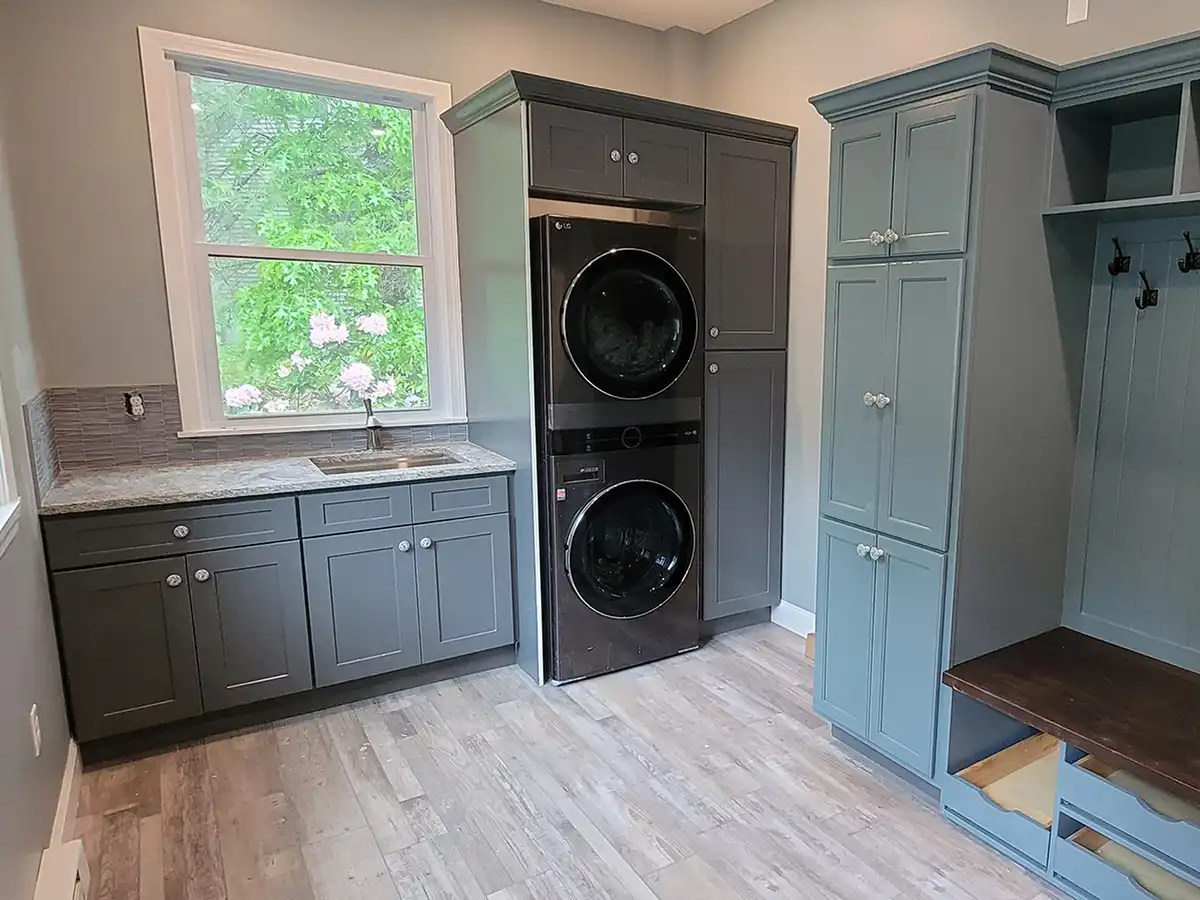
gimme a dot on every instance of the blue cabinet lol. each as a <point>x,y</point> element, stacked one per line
<point>891,394</point>
<point>900,183</point>
<point>879,618</point>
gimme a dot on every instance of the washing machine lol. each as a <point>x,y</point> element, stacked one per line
<point>618,314</point>
<point>624,535</point>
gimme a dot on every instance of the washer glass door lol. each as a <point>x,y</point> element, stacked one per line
<point>630,548</point>
<point>629,324</point>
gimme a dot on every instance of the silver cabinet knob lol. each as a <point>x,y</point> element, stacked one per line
<point>203,575</point>
<point>426,543</point>
<point>876,554</point>
<point>882,400</point>
<point>615,156</point>
<point>174,580</point>
<point>633,159</point>
<point>714,368</point>
<point>714,331</point>
<point>890,237</point>
<point>181,531</point>
<point>870,399</point>
<point>405,546</point>
<point>863,550</point>
<point>876,238</point>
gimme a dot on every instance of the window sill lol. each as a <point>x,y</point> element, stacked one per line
<point>10,518</point>
<point>268,427</point>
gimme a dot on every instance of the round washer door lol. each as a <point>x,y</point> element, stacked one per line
<point>630,548</point>
<point>629,324</point>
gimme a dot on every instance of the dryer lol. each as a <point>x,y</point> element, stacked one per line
<point>618,310</point>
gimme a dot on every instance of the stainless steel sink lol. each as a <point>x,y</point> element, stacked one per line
<point>381,462</point>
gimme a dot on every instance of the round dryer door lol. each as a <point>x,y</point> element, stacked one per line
<point>630,548</point>
<point>629,324</point>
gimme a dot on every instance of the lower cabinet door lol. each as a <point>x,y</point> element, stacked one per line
<point>362,604</point>
<point>906,662</point>
<point>251,625</point>
<point>464,580</point>
<point>127,646</point>
<point>845,622</point>
<point>744,411</point>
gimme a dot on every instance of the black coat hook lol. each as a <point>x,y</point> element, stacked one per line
<point>1191,259</point>
<point>1120,262</point>
<point>1148,297</point>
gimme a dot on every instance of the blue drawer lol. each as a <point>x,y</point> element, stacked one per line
<point>1082,871</point>
<point>1122,808</point>
<point>1014,831</point>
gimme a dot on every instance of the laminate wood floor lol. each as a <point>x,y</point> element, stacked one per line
<point>704,777</point>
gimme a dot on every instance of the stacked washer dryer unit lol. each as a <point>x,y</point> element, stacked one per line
<point>618,315</point>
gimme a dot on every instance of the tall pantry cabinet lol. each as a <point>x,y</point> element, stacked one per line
<point>946,426</point>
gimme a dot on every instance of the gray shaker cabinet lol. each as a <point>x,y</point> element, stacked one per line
<point>251,623</point>
<point>464,586</point>
<point>663,163</point>
<point>128,650</point>
<point>860,186</point>
<point>573,151</point>
<point>743,476</point>
<point>362,604</point>
<point>747,217</point>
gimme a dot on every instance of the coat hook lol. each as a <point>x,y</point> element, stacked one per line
<point>1148,297</point>
<point>1191,259</point>
<point>1120,261</point>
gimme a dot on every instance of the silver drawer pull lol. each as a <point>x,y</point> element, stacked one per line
<point>203,575</point>
<point>633,158</point>
<point>876,554</point>
<point>882,400</point>
<point>890,237</point>
<point>181,531</point>
<point>426,543</point>
<point>174,580</point>
<point>714,331</point>
<point>870,399</point>
<point>405,546</point>
<point>615,156</point>
<point>876,238</point>
<point>863,550</point>
<point>714,368</point>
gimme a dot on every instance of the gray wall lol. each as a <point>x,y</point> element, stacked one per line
<point>28,654</point>
<point>81,169</point>
<point>770,62</point>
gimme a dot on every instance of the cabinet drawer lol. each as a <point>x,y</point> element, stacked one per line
<point>441,500</point>
<point>366,509</point>
<point>105,538</point>
<point>1096,866</point>
<point>1010,796</point>
<point>1136,808</point>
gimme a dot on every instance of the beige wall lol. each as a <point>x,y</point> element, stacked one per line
<point>28,652</point>
<point>81,168</point>
<point>769,63</point>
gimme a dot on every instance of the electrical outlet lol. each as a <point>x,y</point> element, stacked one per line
<point>1077,11</point>
<point>35,726</point>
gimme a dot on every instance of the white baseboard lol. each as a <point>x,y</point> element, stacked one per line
<point>68,798</point>
<point>794,619</point>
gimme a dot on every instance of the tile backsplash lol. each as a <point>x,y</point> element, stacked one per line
<point>87,428</point>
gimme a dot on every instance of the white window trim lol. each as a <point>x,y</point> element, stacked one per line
<point>10,501</point>
<point>188,301</point>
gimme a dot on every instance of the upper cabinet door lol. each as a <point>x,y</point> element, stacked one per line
<point>663,164</point>
<point>575,152</point>
<point>906,654</point>
<point>128,650</point>
<point>855,329</point>
<point>747,218</point>
<point>744,412</point>
<point>845,605</point>
<point>860,187</point>
<point>464,586</point>
<point>251,623</point>
<point>920,388</point>
<point>930,203</point>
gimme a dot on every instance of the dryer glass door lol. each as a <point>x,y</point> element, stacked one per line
<point>630,548</point>
<point>629,324</point>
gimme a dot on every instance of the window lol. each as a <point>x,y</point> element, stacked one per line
<point>306,215</point>
<point>10,503</point>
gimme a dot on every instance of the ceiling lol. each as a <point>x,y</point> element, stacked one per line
<point>695,15</point>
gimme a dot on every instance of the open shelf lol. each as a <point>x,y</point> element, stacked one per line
<point>1122,148</point>
<point>1190,145</point>
<point>1129,210</point>
<point>1021,778</point>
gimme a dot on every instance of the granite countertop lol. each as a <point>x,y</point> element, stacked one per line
<point>192,482</point>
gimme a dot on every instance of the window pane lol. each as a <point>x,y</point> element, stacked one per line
<point>305,337</point>
<point>294,170</point>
